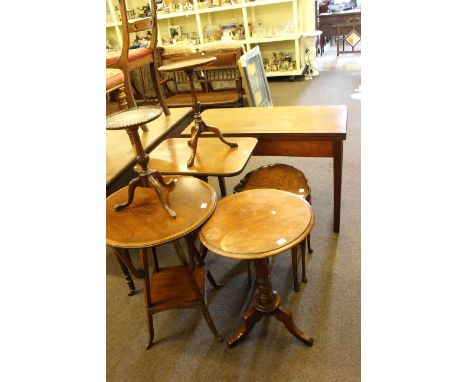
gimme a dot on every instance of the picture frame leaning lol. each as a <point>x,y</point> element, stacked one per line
<point>254,79</point>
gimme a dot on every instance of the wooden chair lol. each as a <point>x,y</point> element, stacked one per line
<point>287,178</point>
<point>218,84</point>
<point>115,83</point>
<point>132,59</point>
<point>350,33</point>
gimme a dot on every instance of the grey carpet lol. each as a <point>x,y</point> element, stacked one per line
<point>327,308</point>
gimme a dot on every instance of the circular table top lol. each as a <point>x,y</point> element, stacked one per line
<point>257,223</point>
<point>187,64</point>
<point>135,116</point>
<point>145,223</point>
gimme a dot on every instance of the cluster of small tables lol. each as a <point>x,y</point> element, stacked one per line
<point>253,225</point>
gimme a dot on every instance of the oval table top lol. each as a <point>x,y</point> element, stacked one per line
<point>145,223</point>
<point>135,116</point>
<point>187,64</point>
<point>256,224</point>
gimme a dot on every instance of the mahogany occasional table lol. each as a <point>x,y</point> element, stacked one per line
<point>199,126</point>
<point>131,120</point>
<point>254,225</point>
<point>213,158</point>
<point>145,224</point>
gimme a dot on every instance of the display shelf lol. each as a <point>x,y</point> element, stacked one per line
<point>288,73</point>
<point>248,4</point>
<point>163,16</point>
<point>294,36</point>
<point>219,9</point>
<point>276,12</point>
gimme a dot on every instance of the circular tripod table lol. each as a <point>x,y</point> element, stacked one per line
<point>130,120</point>
<point>146,224</point>
<point>254,225</point>
<point>199,126</point>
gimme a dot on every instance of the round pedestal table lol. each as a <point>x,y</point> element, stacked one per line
<point>254,225</point>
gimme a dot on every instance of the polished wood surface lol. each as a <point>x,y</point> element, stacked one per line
<point>120,155</point>
<point>145,223</point>
<point>321,121</point>
<point>303,131</point>
<point>187,64</point>
<point>213,157</point>
<point>256,224</point>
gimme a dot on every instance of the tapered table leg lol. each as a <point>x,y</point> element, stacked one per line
<point>126,273</point>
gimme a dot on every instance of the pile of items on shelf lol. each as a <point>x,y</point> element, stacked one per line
<point>281,62</point>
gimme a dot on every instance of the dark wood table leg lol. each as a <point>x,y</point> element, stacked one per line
<point>266,302</point>
<point>126,273</point>
<point>337,176</point>
<point>222,185</point>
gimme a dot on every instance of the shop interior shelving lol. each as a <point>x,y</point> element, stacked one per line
<point>276,12</point>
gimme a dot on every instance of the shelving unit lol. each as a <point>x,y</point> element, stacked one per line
<point>277,12</point>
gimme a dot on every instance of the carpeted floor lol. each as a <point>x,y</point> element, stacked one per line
<point>328,307</point>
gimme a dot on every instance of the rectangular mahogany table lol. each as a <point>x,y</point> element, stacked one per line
<point>294,131</point>
<point>120,155</point>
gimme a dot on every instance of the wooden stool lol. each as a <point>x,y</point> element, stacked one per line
<point>280,177</point>
<point>255,225</point>
<point>146,224</point>
<point>213,158</point>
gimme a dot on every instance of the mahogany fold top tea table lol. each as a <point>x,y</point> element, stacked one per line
<point>295,131</point>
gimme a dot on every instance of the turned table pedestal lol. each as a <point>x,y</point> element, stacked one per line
<point>254,225</point>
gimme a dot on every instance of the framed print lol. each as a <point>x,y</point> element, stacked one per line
<point>254,79</point>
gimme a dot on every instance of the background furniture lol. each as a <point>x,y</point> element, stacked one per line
<point>218,84</point>
<point>115,83</point>
<point>213,158</point>
<point>255,225</point>
<point>146,224</point>
<point>327,22</point>
<point>296,131</point>
<point>260,19</point>
<point>132,59</point>
<point>281,177</point>
<point>120,156</point>
<point>348,33</point>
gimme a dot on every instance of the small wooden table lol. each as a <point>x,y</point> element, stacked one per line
<point>296,131</point>
<point>254,225</point>
<point>199,127</point>
<point>145,224</point>
<point>120,155</point>
<point>213,158</point>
